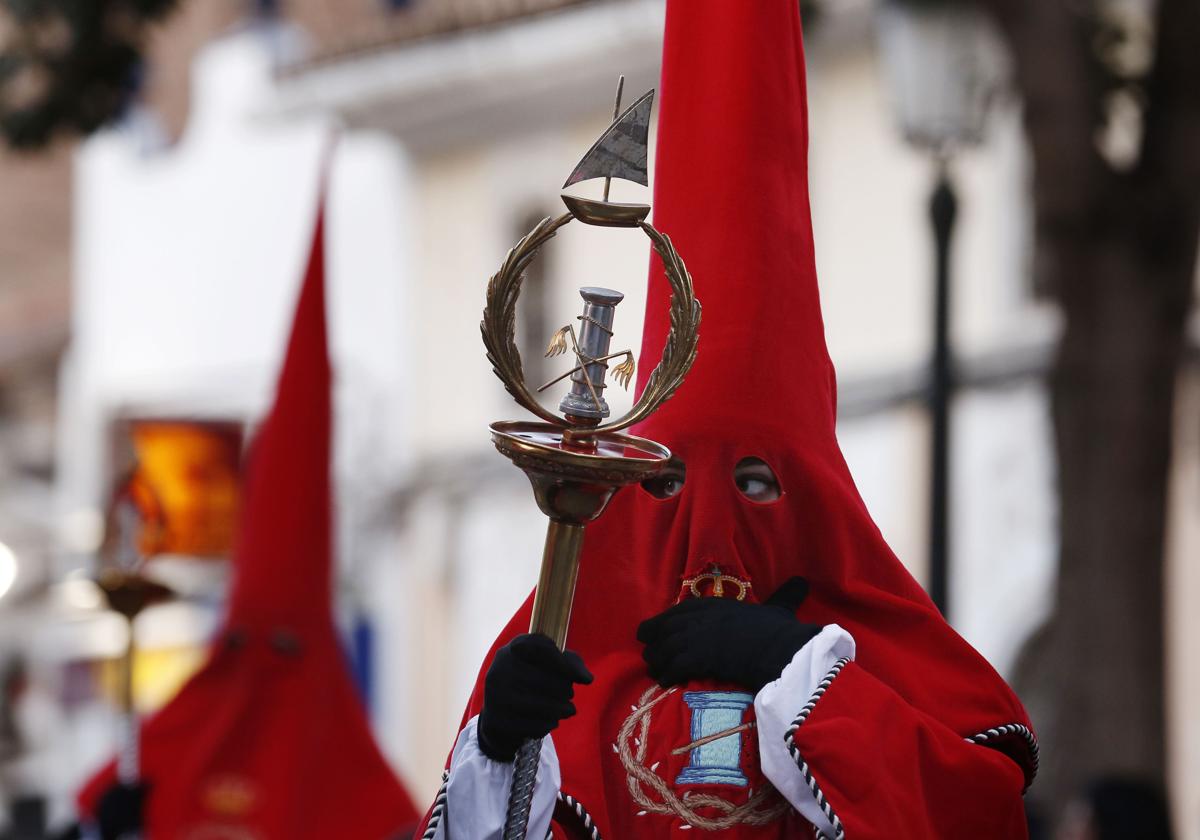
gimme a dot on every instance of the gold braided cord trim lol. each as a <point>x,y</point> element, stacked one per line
<point>765,805</point>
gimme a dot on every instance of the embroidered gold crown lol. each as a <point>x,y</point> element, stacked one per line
<point>718,581</point>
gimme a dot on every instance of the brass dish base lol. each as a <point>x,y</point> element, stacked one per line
<point>129,593</point>
<point>573,483</point>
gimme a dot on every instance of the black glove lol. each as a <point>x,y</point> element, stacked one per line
<point>119,811</point>
<point>726,640</point>
<point>527,691</point>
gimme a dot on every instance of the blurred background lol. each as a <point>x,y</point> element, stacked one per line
<point>1006,201</point>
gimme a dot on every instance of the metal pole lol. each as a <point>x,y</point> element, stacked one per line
<point>551,616</point>
<point>128,769</point>
<point>943,211</point>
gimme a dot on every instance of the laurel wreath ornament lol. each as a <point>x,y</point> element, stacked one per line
<point>499,326</point>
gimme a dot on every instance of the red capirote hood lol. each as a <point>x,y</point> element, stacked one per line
<point>269,740</point>
<point>731,190</point>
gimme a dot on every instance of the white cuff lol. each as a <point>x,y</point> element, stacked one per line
<point>776,707</point>
<point>477,792</point>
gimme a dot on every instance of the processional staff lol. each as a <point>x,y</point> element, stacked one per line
<point>576,462</point>
<point>128,591</point>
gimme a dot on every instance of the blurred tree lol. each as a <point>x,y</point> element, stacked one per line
<point>1111,98</point>
<point>1111,93</point>
<point>69,66</point>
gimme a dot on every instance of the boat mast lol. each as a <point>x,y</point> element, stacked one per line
<point>616,113</point>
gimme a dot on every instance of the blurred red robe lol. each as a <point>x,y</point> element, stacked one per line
<point>270,740</point>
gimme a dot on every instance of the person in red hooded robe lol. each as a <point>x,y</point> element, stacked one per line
<point>760,663</point>
<point>269,740</point>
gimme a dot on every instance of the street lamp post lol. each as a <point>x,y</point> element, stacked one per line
<point>943,212</point>
<point>943,64</point>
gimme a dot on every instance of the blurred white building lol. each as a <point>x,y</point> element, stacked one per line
<point>454,136</point>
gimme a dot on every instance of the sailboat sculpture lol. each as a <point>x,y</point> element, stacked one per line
<point>621,152</point>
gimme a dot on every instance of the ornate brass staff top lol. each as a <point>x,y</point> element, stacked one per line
<point>576,462</point>
<point>128,591</point>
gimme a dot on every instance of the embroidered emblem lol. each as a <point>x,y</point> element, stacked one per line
<point>706,811</point>
<point>716,745</point>
<point>717,586</point>
<point>229,795</point>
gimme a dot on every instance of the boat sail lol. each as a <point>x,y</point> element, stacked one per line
<point>620,152</point>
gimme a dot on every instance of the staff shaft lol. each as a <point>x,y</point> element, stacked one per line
<point>551,616</point>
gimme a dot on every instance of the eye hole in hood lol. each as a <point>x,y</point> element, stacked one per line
<point>669,482</point>
<point>756,481</point>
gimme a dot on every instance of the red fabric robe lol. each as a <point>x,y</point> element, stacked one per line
<point>269,740</point>
<point>918,737</point>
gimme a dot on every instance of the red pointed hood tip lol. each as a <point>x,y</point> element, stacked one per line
<point>274,712</point>
<point>282,563</point>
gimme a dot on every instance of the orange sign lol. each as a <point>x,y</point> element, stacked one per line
<point>185,485</point>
